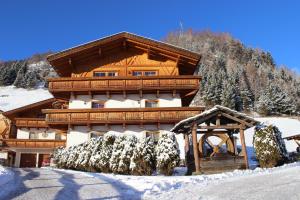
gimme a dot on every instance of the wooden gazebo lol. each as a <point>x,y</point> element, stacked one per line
<point>219,123</point>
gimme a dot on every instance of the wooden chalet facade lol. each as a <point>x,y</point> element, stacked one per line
<point>123,83</point>
<point>30,140</point>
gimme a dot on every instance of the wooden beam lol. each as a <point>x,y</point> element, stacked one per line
<point>100,52</point>
<point>141,93</point>
<point>108,94</point>
<point>157,93</point>
<point>236,119</point>
<point>218,120</point>
<point>195,148</point>
<point>244,148</point>
<point>220,127</point>
<point>174,93</point>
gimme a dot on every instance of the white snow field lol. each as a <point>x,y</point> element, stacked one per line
<point>12,97</point>
<point>5,175</point>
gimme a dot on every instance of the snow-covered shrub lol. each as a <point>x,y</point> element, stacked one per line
<point>126,154</point>
<point>73,152</point>
<point>116,154</point>
<point>94,159</point>
<point>167,152</point>
<point>57,155</point>
<point>269,146</point>
<point>83,160</point>
<point>102,159</point>
<point>143,158</point>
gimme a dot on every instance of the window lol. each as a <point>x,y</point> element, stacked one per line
<point>112,74</point>
<point>96,134</point>
<point>33,135</point>
<point>98,104</point>
<point>153,134</point>
<point>151,103</point>
<point>103,74</point>
<point>144,73</point>
<point>137,73</point>
<point>150,73</point>
<point>99,74</point>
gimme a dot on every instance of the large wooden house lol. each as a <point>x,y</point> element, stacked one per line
<point>123,83</point>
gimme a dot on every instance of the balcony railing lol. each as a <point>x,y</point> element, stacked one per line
<point>31,122</point>
<point>33,143</point>
<point>120,115</point>
<point>77,84</point>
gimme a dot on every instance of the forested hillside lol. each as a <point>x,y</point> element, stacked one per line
<point>233,75</point>
<point>27,73</point>
<point>239,77</point>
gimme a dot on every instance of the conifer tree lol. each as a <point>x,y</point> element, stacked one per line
<point>143,158</point>
<point>167,153</point>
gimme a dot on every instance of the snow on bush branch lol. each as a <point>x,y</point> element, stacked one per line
<point>124,154</point>
<point>269,146</point>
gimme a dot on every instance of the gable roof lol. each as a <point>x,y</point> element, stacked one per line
<point>231,115</point>
<point>62,58</point>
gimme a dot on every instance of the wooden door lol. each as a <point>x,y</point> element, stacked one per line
<point>28,160</point>
<point>44,160</point>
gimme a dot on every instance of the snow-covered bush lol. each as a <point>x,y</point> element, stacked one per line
<point>88,148</point>
<point>94,159</point>
<point>167,152</point>
<point>143,158</point>
<point>116,154</point>
<point>57,155</point>
<point>126,154</point>
<point>102,158</point>
<point>269,146</point>
<point>73,153</point>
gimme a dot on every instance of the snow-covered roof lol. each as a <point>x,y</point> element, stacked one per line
<point>205,116</point>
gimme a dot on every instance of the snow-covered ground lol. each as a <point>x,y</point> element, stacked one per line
<point>5,175</point>
<point>12,97</point>
<point>207,186</point>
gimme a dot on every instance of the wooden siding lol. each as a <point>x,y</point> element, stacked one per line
<point>31,143</point>
<point>120,116</point>
<point>31,122</point>
<point>124,83</point>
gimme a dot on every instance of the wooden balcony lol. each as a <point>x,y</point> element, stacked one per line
<point>119,115</point>
<point>128,83</point>
<point>31,122</point>
<point>33,143</point>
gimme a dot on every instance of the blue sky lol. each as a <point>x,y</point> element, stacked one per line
<point>32,26</point>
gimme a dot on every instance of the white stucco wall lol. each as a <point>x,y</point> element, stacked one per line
<point>77,135</point>
<point>131,101</point>
<point>23,133</point>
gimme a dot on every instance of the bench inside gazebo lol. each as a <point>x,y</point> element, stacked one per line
<point>216,150</point>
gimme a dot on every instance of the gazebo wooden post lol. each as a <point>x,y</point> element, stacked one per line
<point>186,143</point>
<point>244,149</point>
<point>195,147</point>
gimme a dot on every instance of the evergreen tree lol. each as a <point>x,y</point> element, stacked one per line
<point>118,148</point>
<point>103,161</point>
<point>229,96</point>
<point>125,156</point>
<point>143,158</point>
<point>167,153</point>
